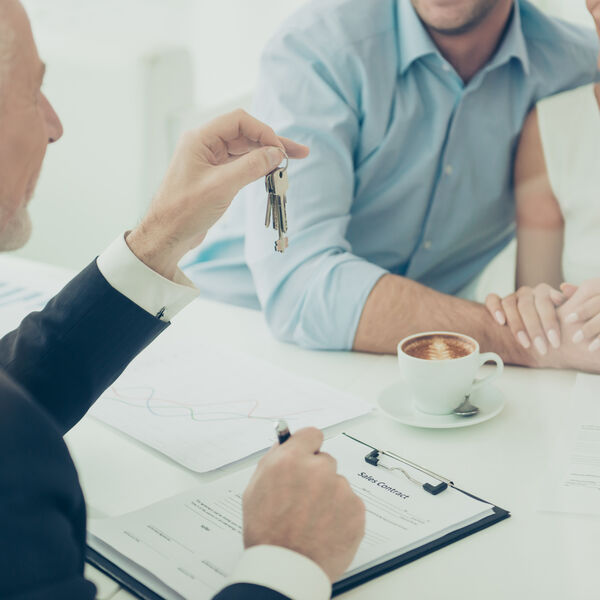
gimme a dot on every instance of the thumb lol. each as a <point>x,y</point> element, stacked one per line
<point>558,298</point>
<point>252,166</point>
<point>568,289</point>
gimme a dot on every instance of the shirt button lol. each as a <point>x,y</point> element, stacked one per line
<point>427,245</point>
<point>449,170</point>
<point>446,66</point>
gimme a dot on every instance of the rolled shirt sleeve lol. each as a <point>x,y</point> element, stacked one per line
<point>127,274</point>
<point>283,571</point>
<point>314,294</point>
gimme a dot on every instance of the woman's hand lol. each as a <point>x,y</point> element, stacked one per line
<point>583,312</point>
<point>531,315</point>
<point>211,165</point>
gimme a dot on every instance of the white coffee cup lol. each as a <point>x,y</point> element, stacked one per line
<point>440,369</point>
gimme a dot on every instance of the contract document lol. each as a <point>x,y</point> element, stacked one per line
<point>572,483</point>
<point>186,546</point>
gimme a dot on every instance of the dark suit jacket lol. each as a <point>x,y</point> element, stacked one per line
<point>52,368</point>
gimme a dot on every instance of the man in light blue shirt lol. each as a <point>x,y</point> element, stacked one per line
<point>412,111</point>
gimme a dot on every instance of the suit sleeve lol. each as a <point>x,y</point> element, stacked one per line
<point>66,355</point>
<point>42,512</point>
<point>247,591</point>
<point>53,367</point>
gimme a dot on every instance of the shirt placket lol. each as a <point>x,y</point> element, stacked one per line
<point>434,230</point>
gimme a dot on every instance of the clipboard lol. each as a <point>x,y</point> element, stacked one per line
<point>499,514</point>
<point>138,589</point>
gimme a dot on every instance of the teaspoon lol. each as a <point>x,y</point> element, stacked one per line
<point>466,409</point>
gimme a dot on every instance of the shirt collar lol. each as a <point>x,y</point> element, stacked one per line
<point>414,41</point>
<point>513,45</point>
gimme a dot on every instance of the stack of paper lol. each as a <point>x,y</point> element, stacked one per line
<point>572,484</point>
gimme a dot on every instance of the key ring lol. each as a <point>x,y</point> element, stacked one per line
<point>287,161</point>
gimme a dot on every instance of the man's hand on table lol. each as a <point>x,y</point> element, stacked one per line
<point>563,326</point>
<point>297,501</point>
<point>211,165</point>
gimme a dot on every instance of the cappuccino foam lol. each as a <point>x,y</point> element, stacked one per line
<point>438,347</point>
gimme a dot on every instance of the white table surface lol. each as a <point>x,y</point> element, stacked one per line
<point>531,555</point>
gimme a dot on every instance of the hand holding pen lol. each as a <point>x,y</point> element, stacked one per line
<point>297,500</point>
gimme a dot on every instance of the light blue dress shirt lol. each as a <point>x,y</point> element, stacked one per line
<point>410,170</point>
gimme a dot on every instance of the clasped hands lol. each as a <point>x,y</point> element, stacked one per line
<point>563,326</point>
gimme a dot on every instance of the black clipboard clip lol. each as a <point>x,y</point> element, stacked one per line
<point>373,458</point>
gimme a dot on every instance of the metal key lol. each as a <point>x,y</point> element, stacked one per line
<point>276,184</point>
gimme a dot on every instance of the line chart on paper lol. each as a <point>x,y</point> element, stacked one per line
<point>206,407</point>
<point>251,409</point>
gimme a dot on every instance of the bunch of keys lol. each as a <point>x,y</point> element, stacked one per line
<point>276,183</point>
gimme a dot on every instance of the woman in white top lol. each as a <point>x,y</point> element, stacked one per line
<point>557,193</point>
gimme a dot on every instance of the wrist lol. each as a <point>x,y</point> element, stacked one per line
<point>156,248</point>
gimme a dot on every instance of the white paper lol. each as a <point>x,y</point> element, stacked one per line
<point>192,542</point>
<point>572,484</point>
<point>205,407</point>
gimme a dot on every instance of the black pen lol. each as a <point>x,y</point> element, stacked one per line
<point>283,431</point>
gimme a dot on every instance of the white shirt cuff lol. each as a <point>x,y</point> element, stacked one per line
<point>283,571</point>
<point>157,295</point>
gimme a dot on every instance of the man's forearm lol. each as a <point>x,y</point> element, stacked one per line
<point>398,307</point>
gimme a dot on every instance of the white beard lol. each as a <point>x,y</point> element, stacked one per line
<point>16,231</point>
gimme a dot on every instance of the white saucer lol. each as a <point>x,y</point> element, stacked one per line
<point>397,403</point>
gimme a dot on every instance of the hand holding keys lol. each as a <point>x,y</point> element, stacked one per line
<point>277,186</point>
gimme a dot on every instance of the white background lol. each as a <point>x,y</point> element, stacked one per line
<point>125,77</point>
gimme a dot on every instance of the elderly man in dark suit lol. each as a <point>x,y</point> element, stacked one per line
<point>302,523</point>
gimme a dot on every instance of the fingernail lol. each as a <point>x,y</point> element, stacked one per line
<point>595,345</point>
<point>523,339</point>
<point>275,156</point>
<point>541,346</point>
<point>572,318</point>
<point>554,338</point>
<point>500,318</point>
<point>578,337</point>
